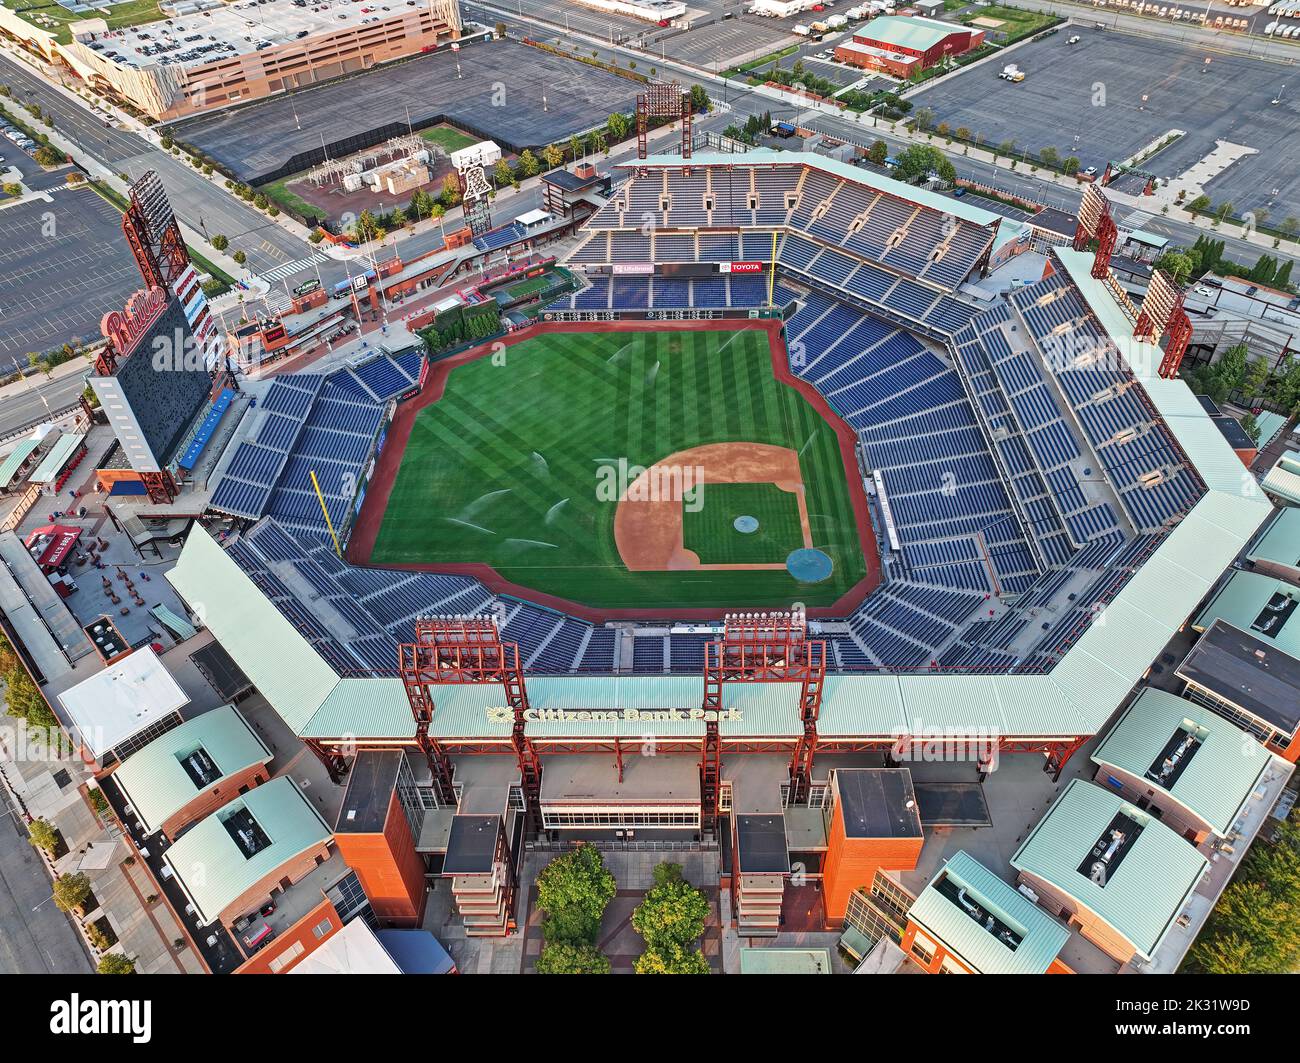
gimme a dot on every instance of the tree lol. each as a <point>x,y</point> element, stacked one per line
<point>553,155</point>
<point>528,164</point>
<point>503,173</point>
<point>115,963</point>
<point>219,242</point>
<point>1199,203</point>
<point>1176,264</point>
<point>1290,226</point>
<point>43,836</point>
<point>48,156</point>
<point>672,959</point>
<point>700,102</point>
<point>559,957</point>
<point>240,257</point>
<point>1050,156</point>
<point>963,133</point>
<point>673,911</point>
<point>501,30</point>
<point>617,126</point>
<point>575,148</point>
<point>920,161</point>
<point>450,195</point>
<point>572,891</point>
<point>924,118</point>
<point>71,891</point>
<point>1224,209</point>
<point>1070,166</point>
<point>879,152</point>
<point>398,218</point>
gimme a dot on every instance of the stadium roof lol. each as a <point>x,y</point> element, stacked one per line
<point>120,701</point>
<point>215,870</point>
<point>57,457</point>
<point>1041,936</point>
<point>922,197</point>
<point>1149,886</point>
<point>21,452</point>
<point>1281,542</point>
<point>1266,607</point>
<point>1216,779</point>
<point>1248,673</point>
<point>1283,479</point>
<point>155,779</point>
<point>921,34</point>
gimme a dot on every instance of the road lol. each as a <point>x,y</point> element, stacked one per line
<point>35,937</point>
<point>36,399</point>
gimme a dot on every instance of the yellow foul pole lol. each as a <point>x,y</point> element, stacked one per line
<point>328,523</point>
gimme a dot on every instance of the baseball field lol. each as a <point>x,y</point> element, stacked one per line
<point>643,470</point>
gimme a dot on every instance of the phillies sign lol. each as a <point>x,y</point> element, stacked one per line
<point>123,328</point>
<point>742,267</point>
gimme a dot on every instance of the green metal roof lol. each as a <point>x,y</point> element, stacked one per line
<point>274,655</point>
<point>1042,937</point>
<point>922,197</point>
<point>1283,479</point>
<point>1144,894</point>
<point>16,457</point>
<point>158,786</point>
<point>213,870</point>
<point>785,961</point>
<point>1244,598</point>
<point>1222,772</point>
<point>1269,425</point>
<point>1281,543</point>
<point>57,456</point>
<point>919,34</point>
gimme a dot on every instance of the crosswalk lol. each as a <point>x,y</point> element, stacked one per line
<point>289,269</point>
<point>277,302</point>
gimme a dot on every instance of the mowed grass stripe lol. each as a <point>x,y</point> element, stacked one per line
<point>576,397</point>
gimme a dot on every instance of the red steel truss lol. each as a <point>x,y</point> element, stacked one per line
<point>762,647</point>
<point>1107,238</point>
<point>1178,334</point>
<point>662,100</point>
<point>461,649</point>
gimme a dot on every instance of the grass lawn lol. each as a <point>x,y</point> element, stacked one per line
<point>503,470</point>
<point>448,138</point>
<point>711,531</point>
<point>278,193</point>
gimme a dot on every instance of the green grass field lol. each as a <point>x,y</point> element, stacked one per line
<point>711,530</point>
<point>503,469</point>
<point>449,138</point>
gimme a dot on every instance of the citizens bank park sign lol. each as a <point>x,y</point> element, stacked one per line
<point>123,328</point>
<point>504,714</point>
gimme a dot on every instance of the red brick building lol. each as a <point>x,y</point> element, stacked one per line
<point>900,46</point>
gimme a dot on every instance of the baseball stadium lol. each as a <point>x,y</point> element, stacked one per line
<point>782,478</point>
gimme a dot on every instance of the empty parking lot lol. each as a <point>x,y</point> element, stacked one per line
<point>515,94</point>
<point>63,264</point>
<point>1111,94</point>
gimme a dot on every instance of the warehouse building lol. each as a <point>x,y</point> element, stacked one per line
<point>1111,870</point>
<point>193,770</point>
<point>900,46</point>
<point>250,50</point>
<point>968,921</point>
<point>1190,765</point>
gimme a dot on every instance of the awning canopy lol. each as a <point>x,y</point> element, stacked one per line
<point>50,545</point>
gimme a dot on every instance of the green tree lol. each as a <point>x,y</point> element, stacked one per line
<point>48,156</point>
<point>71,890</point>
<point>963,133</point>
<point>919,161</point>
<point>397,218</point>
<point>924,118</point>
<point>560,957</point>
<point>617,126</point>
<point>553,155</point>
<point>671,959</point>
<point>219,242</point>
<point>1199,203</point>
<point>450,195</point>
<point>115,963</point>
<point>572,891</point>
<point>1070,165</point>
<point>503,173</point>
<point>1177,264</point>
<point>700,102</point>
<point>528,164</point>
<point>1050,156</point>
<point>673,911</point>
<point>43,836</point>
<point>240,257</point>
<point>575,149</point>
<point>878,153</point>
<point>1290,227</point>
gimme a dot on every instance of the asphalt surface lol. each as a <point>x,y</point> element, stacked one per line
<point>198,203</point>
<point>512,93</point>
<point>63,265</point>
<point>1112,94</point>
<point>35,937</point>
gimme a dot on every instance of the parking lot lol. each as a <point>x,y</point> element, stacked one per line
<point>1111,94</point>
<point>63,264</point>
<point>514,94</point>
